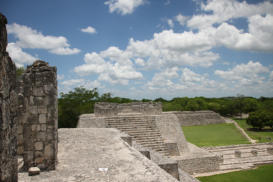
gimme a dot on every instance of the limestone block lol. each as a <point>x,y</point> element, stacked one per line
<point>33,171</point>
<point>39,145</point>
<point>42,118</point>
<point>43,127</point>
<point>41,136</point>
<point>42,109</point>
<point>38,101</point>
<point>33,110</point>
<point>270,151</point>
<point>49,151</point>
<point>38,91</point>
<point>254,152</point>
<point>172,148</point>
<point>237,153</point>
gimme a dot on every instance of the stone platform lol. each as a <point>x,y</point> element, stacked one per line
<point>99,154</point>
<point>238,157</point>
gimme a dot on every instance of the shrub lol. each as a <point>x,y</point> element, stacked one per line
<point>260,119</point>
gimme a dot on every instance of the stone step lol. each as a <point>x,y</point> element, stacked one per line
<point>132,127</point>
<point>150,142</point>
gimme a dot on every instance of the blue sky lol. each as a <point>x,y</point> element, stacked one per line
<point>148,48</point>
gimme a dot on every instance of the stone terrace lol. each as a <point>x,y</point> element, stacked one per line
<point>99,155</point>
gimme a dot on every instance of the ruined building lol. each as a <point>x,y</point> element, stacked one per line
<point>133,142</point>
<point>8,105</point>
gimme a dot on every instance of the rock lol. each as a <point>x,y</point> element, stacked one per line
<point>33,171</point>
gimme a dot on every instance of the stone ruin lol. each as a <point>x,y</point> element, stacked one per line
<point>119,142</point>
<point>28,114</point>
<point>155,131</point>
<point>111,109</point>
<point>8,105</point>
<point>37,126</point>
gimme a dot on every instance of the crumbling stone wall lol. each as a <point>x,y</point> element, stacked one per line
<point>191,118</point>
<point>111,109</point>
<point>8,104</point>
<point>39,120</point>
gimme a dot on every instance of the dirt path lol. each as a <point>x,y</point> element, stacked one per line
<point>242,131</point>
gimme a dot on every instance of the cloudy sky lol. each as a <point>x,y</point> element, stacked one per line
<point>148,48</point>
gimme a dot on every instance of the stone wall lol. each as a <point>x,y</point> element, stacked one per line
<point>200,164</point>
<point>190,118</point>
<point>171,131</point>
<point>111,109</point>
<point>8,107</point>
<point>39,120</point>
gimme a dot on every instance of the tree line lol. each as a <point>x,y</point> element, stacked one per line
<point>81,100</point>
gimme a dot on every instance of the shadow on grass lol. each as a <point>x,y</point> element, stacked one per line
<point>258,130</point>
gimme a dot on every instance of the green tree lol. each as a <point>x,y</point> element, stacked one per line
<point>260,119</point>
<point>74,103</point>
<point>19,72</point>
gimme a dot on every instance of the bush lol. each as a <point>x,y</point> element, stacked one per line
<point>260,119</point>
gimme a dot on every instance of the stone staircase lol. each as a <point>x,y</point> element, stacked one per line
<point>139,127</point>
<point>244,156</point>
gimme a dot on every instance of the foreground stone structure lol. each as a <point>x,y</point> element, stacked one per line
<point>38,125</point>
<point>100,155</point>
<point>8,105</point>
<point>157,132</point>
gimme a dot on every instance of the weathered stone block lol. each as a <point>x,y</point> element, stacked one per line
<point>42,118</point>
<point>33,171</point>
<point>172,148</point>
<point>237,153</point>
<point>38,91</point>
<point>254,152</point>
<point>49,151</point>
<point>39,146</point>
<point>42,109</point>
<point>41,136</point>
<point>270,151</point>
<point>43,127</point>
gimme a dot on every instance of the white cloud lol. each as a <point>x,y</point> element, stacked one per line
<point>140,62</point>
<point>30,38</point>
<point>60,77</point>
<point>190,76</point>
<point>111,65</point>
<point>271,76</point>
<point>181,19</point>
<point>73,82</point>
<point>123,7</point>
<point>68,85</point>
<point>89,29</point>
<point>224,10</point>
<point>163,79</point>
<point>244,74</point>
<point>170,23</point>
<point>169,49</point>
<point>19,56</point>
<point>259,37</point>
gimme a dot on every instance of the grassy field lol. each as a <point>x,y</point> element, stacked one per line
<point>262,136</point>
<point>261,174</point>
<point>214,135</point>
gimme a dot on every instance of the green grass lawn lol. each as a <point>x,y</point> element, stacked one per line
<point>214,135</point>
<point>262,136</point>
<point>261,174</point>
